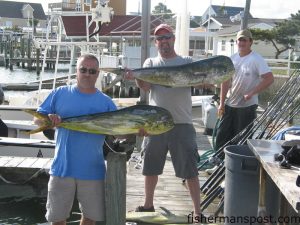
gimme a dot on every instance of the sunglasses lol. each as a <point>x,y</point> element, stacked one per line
<point>90,71</point>
<point>164,37</point>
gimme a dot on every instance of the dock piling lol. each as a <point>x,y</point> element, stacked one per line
<point>115,190</point>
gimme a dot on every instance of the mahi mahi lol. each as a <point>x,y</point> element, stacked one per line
<point>213,70</point>
<point>153,119</point>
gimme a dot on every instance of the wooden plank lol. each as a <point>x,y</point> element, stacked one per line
<point>28,161</point>
<point>41,163</point>
<point>4,160</point>
<point>25,162</point>
<point>15,161</point>
<point>285,179</point>
<point>49,163</point>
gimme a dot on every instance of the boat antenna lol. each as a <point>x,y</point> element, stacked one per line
<point>100,15</point>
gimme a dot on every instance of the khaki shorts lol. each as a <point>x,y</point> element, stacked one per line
<point>181,142</point>
<point>61,194</point>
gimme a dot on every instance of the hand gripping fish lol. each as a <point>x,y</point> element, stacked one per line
<point>213,70</point>
<point>154,120</point>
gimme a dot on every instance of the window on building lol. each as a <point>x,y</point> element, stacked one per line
<point>87,2</point>
<point>78,6</point>
<point>223,45</point>
<point>197,44</point>
<point>8,24</point>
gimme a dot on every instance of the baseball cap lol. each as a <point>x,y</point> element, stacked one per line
<point>244,34</point>
<point>163,26</point>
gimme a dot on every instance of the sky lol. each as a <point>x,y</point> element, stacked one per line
<point>279,9</point>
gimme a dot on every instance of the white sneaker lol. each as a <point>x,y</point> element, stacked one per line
<point>210,171</point>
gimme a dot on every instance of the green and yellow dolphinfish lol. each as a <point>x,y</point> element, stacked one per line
<point>213,70</point>
<point>154,120</point>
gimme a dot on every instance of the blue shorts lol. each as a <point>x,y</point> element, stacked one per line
<point>181,142</point>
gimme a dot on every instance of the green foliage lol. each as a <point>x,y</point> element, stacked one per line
<point>162,9</point>
<point>222,10</point>
<point>195,21</point>
<point>15,28</point>
<point>35,23</point>
<point>284,33</point>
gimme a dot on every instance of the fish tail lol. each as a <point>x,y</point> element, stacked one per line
<point>41,128</point>
<point>46,123</point>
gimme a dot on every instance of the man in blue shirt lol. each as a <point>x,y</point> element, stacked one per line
<point>78,166</point>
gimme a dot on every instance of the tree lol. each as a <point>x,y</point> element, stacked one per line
<point>284,33</point>
<point>35,23</point>
<point>162,9</point>
<point>195,21</point>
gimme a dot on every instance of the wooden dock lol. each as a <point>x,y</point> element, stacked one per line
<point>24,176</point>
<point>25,162</point>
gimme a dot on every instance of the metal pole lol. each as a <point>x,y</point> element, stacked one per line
<point>244,22</point>
<point>145,53</point>
<point>145,41</point>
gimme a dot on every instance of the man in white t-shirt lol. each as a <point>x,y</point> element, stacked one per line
<point>251,77</point>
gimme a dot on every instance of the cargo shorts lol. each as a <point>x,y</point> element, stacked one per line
<point>61,194</point>
<point>181,142</point>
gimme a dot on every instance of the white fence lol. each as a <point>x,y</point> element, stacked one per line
<point>283,66</point>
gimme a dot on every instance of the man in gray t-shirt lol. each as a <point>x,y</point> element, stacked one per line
<point>181,140</point>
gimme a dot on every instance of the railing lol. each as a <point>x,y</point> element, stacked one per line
<point>63,6</point>
<point>283,66</point>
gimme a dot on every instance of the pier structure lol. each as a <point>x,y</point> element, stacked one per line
<point>22,52</point>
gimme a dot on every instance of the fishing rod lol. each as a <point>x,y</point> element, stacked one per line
<point>279,124</point>
<point>220,207</point>
<point>220,170</point>
<point>274,111</point>
<point>212,176</point>
<point>206,202</point>
<point>217,183</point>
<point>281,117</point>
<point>266,115</point>
<point>294,112</point>
<point>293,94</point>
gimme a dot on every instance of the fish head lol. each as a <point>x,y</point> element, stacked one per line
<point>161,124</point>
<point>223,69</point>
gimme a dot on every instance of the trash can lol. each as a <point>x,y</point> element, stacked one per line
<point>242,187</point>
